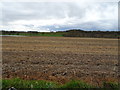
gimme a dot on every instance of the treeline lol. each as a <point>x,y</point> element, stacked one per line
<point>93,34</point>
<point>3,32</point>
<point>68,33</point>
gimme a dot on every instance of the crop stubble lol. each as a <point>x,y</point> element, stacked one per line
<point>60,59</point>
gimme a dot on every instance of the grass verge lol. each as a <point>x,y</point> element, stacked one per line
<point>19,83</point>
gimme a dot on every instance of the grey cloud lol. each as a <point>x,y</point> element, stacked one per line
<point>14,11</point>
<point>24,10</point>
<point>99,25</point>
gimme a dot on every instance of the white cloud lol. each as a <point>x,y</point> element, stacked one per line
<point>47,16</point>
<point>60,0</point>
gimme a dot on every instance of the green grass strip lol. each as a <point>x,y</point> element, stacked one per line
<point>19,83</point>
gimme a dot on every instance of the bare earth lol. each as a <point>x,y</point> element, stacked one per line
<point>60,59</point>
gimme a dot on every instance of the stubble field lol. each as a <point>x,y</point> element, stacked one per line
<point>60,59</point>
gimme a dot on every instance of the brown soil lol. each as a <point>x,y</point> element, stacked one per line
<point>60,59</point>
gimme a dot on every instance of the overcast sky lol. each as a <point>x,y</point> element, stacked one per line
<point>59,16</point>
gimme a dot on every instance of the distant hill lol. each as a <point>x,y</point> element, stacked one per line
<point>67,33</point>
<point>96,34</point>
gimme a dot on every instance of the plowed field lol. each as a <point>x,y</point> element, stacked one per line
<point>60,59</point>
